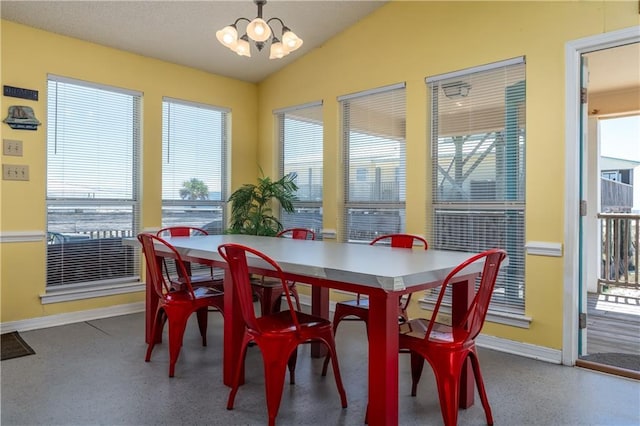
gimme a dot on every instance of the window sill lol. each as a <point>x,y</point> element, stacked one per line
<point>79,293</point>
<point>498,317</point>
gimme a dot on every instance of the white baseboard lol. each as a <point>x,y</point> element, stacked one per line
<point>71,317</point>
<point>526,350</point>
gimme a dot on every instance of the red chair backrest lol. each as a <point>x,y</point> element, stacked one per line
<point>469,326</point>
<point>236,257</point>
<point>181,231</point>
<point>297,234</point>
<point>160,283</point>
<point>401,240</point>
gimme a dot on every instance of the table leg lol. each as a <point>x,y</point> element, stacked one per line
<point>233,332</point>
<point>383,359</point>
<point>319,307</point>
<point>463,293</point>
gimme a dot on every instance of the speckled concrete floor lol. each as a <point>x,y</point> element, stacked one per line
<point>93,373</point>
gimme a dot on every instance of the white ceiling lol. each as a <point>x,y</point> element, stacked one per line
<point>183,32</point>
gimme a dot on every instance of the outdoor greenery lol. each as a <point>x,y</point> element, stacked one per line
<point>252,205</point>
<point>194,189</point>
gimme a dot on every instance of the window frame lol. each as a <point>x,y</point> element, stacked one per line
<point>215,205</point>
<point>377,216</point>
<point>312,207</point>
<point>66,249</point>
<point>504,204</point>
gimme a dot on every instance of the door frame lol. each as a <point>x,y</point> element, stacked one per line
<point>573,139</point>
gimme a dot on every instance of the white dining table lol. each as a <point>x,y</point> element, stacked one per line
<point>380,272</point>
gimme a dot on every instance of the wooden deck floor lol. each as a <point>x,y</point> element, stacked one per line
<point>613,324</point>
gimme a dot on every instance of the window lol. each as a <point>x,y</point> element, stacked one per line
<point>300,134</point>
<point>93,138</point>
<point>194,143</point>
<point>478,144</point>
<point>373,133</point>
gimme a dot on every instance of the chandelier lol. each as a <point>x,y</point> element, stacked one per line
<point>259,31</point>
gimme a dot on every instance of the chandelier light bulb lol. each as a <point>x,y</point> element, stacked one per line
<point>228,35</point>
<point>291,40</point>
<point>278,51</point>
<point>242,47</point>
<point>258,30</point>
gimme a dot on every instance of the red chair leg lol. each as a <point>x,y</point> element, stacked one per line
<point>417,364</point>
<point>177,326</point>
<point>480,384</point>
<point>338,315</point>
<point>238,375</point>
<point>274,371</point>
<point>291,364</point>
<point>156,332</point>
<point>336,372</point>
<point>448,381</point>
<point>203,317</point>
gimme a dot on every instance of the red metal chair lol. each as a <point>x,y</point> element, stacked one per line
<point>278,334</point>
<point>197,280</point>
<point>447,347</point>
<point>268,290</point>
<point>358,308</point>
<point>175,305</point>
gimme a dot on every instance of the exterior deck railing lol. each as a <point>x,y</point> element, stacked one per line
<point>619,250</point>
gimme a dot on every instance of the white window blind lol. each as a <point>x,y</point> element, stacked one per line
<point>300,134</point>
<point>194,143</point>
<point>93,139</point>
<point>373,133</point>
<point>478,145</point>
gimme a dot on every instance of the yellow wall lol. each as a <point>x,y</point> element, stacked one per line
<point>408,41</point>
<point>28,55</point>
<point>401,41</point>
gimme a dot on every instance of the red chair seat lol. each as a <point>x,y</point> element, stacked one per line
<point>277,334</point>
<point>175,305</point>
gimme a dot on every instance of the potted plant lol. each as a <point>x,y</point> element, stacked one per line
<point>252,205</point>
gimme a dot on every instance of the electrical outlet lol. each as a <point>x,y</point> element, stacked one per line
<point>12,147</point>
<point>15,172</point>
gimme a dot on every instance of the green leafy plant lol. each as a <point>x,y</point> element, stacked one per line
<point>252,205</point>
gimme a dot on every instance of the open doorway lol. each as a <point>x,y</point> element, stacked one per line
<point>609,290</point>
<point>575,302</point>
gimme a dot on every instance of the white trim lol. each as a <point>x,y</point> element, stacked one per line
<point>543,248</point>
<point>573,51</point>
<point>100,86</point>
<point>472,70</point>
<point>66,295</point>
<point>21,236</point>
<point>372,91</point>
<point>494,316</point>
<point>71,317</point>
<point>297,107</point>
<point>527,350</point>
<point>195,104</point>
